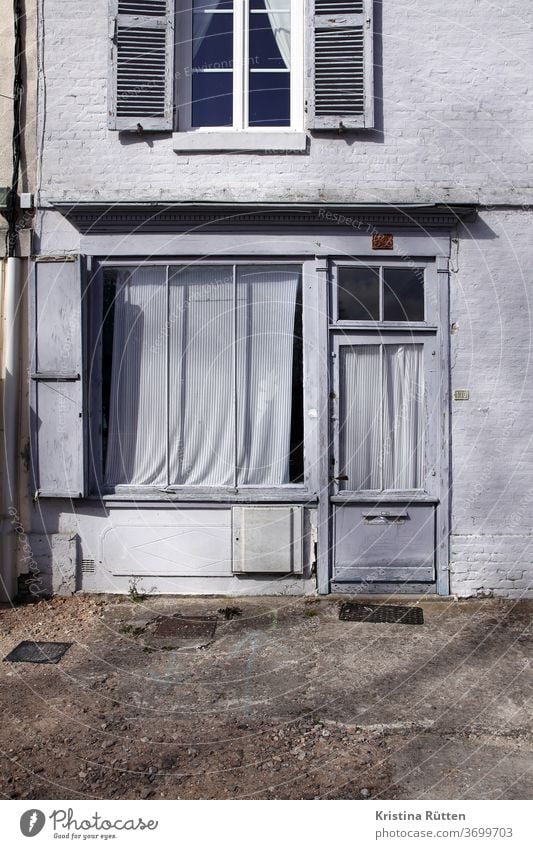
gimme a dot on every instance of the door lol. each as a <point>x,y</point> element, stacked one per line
<point>384,483</point>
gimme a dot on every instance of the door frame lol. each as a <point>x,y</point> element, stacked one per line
<point>440,332</point>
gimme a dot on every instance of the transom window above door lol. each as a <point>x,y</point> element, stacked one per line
<point>379,293</point>
<point>240,64</point>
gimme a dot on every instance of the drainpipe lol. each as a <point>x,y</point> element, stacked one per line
<point>8,582</point>
<point>8,566</point>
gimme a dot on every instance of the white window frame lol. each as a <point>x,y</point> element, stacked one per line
<point>240,134</point>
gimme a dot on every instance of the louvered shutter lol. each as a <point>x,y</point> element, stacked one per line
<point>342,81</point>
<point>142,62</point>
<point>56,409</point>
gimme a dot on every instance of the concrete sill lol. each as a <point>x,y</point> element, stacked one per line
<point>234,142</point>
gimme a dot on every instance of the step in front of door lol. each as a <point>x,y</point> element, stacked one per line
<point>386,542</point>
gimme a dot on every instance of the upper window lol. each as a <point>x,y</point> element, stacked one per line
<point>239,65</point>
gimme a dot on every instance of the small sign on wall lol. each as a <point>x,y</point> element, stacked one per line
<point>382,242</point>
<point>461,395</point>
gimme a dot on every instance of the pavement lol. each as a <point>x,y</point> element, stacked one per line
<point>268,698</point>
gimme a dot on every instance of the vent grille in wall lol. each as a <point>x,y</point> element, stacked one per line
<point>87,565</point>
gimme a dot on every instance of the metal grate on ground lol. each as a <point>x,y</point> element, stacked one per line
<point>29,651</point>
<point>390,613</point>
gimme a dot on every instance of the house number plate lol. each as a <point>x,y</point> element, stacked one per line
<point>462,394</point>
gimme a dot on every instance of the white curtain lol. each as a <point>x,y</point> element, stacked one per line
<point>176,415</point>
<point>201,21</point>
<point>201,397</point>
<point>403,416</point>
<point>360,418</point>
<point>265,341</point>
<point>136,447</point>
<point>280,20</point>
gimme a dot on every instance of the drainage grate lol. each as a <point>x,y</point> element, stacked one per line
<point>30,652</point>
<point>352,612</point>
<point>185,628</point>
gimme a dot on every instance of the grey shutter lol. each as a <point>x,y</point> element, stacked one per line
<point>341,93</point>
<point>56,379</point>
<point>142,64</point>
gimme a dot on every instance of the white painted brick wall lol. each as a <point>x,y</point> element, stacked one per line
<point>456,120</point>
<point>456,125</point>
<point>492,433</point>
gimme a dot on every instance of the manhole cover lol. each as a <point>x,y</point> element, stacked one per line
<point>184,627</point>
<point>352,612</point>
<point>30,652</point>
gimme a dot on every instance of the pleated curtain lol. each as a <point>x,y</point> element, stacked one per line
<point>266,304</point>
<point>136,446</point>
<point>176,415</point>
<point>381,426</point>
<point>360,432</point>
<point>403,416</point>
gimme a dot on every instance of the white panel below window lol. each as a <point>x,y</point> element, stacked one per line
<point>193,543</point>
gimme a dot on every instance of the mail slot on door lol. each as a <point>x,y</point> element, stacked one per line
<point>384,517</point>
<point>389,542</point>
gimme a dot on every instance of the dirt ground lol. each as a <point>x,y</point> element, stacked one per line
<point>269,698</point>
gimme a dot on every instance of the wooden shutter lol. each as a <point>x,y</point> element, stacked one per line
<point>342,81</point>
<point>142,64</point>
<point>56,379</point>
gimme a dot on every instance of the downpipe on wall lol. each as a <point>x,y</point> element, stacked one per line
<point>8,572</point>
<point>8,564</point>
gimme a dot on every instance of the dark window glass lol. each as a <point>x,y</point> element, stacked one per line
<point>264,48</point>
<point>212,40</point>
<point>212,96</point>
<point>403,294</point>
<point>270,99</point>
<point>212,63</point>
<point>358,294</point>
<point>296,462</point>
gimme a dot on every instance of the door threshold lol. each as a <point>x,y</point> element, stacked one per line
<point>405,591</point>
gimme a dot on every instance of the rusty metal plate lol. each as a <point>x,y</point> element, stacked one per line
<point>391,613</point>
<point>29,651</point>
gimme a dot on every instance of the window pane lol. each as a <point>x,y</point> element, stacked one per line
<point>403,408</point>
<point>360,418</point>
<point>270,62</point>
<point>403,295</point>
<point>134,332</point>
<point>201,417</point>
<point>212,100</point>
<point>270,38</point>
<point>358,293</point>
<point>212,60</point>
<point>212,34</point>
<point>269,417</point>
<point>270,100</point>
